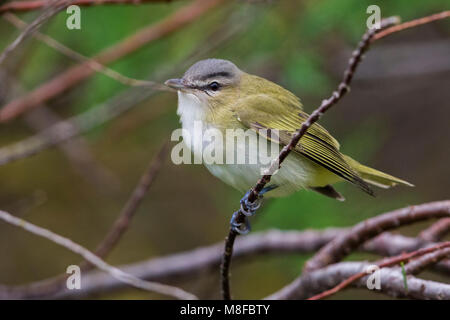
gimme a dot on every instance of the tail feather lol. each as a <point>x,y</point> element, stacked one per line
<point>375,177</point>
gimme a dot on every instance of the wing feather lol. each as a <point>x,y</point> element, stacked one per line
<point>264,112</point>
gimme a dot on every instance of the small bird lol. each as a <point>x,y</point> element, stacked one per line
<point>217,94</point>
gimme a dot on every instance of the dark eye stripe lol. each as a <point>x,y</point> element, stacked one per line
<point>223,74</point>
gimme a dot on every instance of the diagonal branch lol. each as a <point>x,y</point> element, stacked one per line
<point>93,64</point>
<point>343,88</point>
<point>195,262</point>
<point>391,280</point>
<point>388,263</point>
<point>367,229</point>
<point>55,284</point>
<point>74,75</point>
<point>133,203</point>
<point>95,260</point>
<point>30,5</point>
<point>52,8</point>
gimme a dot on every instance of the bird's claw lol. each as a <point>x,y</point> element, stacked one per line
<point>239,227</point>
<point>249,208</point>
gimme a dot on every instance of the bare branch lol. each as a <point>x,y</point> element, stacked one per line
<point>104,112</point>
<point>386,263</point>
<point>412,24</point>
<point>133,203</point>
<point>343,245</point>
<point>391,279</point>
<point>95,260</point>
<point>50,10</point>
<point>343,88</point>
<point>186,265</point>
<point>93,64</point>
<point>418,265</point>
<point>29,5</point>
<point>436,231</point>
<point>78,73</point>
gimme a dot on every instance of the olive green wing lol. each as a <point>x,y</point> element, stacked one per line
<point>265,112</point>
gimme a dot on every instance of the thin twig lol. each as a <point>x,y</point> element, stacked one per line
<point>192,263</point>
<point>387,263</point>
<point>418,265</point>
<point>133,203</point>
<point>52,8</point>
<point>24,6</point>
<point>96,261</point>
<point>104,112</point>
<point>412,24</point>
<point>391,280</point>
<point>343,88</point>
<point>78,73</point>
<point>367,229</point>
<point>52,285</point>
<point>96,66</point>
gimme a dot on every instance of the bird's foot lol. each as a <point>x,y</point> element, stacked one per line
<point>240,227</point>
<point>248,209</point>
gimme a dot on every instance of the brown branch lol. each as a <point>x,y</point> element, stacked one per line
<point>391,279</point>
<point>52,9</point>
<point>387,263</point>
<point>343,245</point>
<point>52,285</point>
<point>343,88</point>
<point>412,24</point>
<point>185,265</point>
<point>133,203</point>
<point>24,6</point>
<point>93,64</point>
<point>104,112</point>
<point>436,231</point>
<point>78,73</point>
<point>418,265</point>
<point>95,260</point>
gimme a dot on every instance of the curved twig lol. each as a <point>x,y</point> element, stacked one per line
<point>95,260</point>
<point>391,280</point>
<point>185,265</point>
<point>343,88</point>
<point>386,263</point>
<point>79,72</point>
<point>24,6</point>
<point>343,245</point>
<point>51,9</point>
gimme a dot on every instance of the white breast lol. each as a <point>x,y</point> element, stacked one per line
<point>293,175</point>
<point>192,115</point>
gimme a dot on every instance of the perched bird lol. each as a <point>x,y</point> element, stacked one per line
<point>218,95</point>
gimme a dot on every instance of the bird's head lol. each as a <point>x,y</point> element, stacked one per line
<point>212,81</point>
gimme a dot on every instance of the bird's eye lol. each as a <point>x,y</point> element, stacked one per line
<point>214,86</point>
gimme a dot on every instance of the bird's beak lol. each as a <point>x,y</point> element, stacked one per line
<point>176,84</point>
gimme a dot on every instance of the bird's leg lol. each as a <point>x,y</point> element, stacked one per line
<point>248,209</point>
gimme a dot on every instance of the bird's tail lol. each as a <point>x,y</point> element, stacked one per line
<point>375,177</point>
